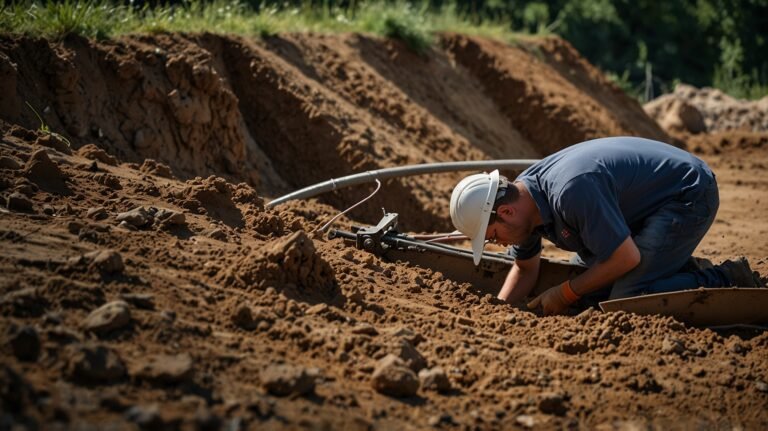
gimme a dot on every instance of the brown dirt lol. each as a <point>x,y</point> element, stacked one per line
<point>208,292</point>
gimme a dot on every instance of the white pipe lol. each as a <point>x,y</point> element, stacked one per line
<point>402,171</point>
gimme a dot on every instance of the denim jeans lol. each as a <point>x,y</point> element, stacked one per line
<point>666,241</point>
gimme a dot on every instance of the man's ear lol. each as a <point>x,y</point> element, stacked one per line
<point>506,210</point>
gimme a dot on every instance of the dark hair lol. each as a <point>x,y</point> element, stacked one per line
<point>507,195</point>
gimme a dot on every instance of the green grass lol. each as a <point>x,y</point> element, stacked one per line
<point>414,23</point>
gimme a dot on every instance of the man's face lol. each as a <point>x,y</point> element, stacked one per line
<point>509,227</point>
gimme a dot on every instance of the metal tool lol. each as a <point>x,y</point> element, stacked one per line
<point>455,263</point>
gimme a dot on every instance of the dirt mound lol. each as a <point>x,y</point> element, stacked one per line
<point>550,93</point>
<point>720,112</point>
<point>292,259</point>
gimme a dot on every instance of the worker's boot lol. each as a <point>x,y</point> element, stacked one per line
<point>740,274</point>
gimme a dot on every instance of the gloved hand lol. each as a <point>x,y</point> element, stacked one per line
<point>555,300</point>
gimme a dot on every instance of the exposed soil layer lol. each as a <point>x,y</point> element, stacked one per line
<point>144,282</point>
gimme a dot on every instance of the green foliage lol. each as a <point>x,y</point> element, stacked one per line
<point>700,42</point>
<point>47,130</point>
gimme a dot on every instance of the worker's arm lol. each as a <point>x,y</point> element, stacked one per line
<point>520,280</point>
<point>624,259</point>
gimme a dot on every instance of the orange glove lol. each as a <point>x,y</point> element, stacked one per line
<point>555,300</point>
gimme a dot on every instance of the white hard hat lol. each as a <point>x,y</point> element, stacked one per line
<point>471,206</point>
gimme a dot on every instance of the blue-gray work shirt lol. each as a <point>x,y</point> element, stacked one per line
<point>595,194</point>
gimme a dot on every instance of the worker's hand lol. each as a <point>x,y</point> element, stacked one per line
<point>552,301</point>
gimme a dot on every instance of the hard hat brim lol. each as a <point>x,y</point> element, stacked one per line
<point>478,242</point>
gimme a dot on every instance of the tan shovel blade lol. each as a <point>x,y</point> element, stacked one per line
<point>701,307</point>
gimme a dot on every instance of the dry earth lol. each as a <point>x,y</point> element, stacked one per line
<point>145,284</point>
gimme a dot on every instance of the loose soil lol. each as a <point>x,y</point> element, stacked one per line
<point>144,283</point>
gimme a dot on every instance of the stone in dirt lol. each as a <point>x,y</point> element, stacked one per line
<point>552,403</point>
<point>145,301</point>
<point>42,171</point>
<point>154,167</point>
<point>284,379</point>
<point>18,202</point>
<point>434,379</point>
<point>168,218</point>
<point>52,141</point>
<point>105,261</point>
<point>217,234</point>
<point>243,317</point>
<point>96,213</point>
<point>107,318</point>
<point>365,329</point>
<point>9,163</point>
<point>93,363</point>
<point>92,152</point>
<point>164,369</point>
<point>410,356</point>
<point>26,302</point>
<point>672,346</point>
<point>146,417</point>
<point>138,217</point>
<point>25,344</point>
<point>392,377</point>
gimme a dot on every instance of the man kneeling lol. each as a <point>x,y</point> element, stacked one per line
<point>632,209</point>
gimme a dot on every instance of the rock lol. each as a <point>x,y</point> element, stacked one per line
<point>41,170</point>
<point>735,346</point>
<point>27,302</point>
<point>410,356</point>
<point>365,329</point>
<point>9,163</point>
<point>92,152</point>
<point>552,403</point>
<point>138,217</point>
<point>392,377</point>
<point>761,386</point>
<point>672,346</point>
<point>48,210</point>
<point>434,379</point>
<point>109,317</point>
<point>144,301</point>
<point>154,167</point>
<point>526,421</point>
<point>146,417</point>
<point>317,309</point>
<point>106,261</point>
<point>441,419</point>
<point>93,363</point>
<point>356,296</point>
<point>407,334</point>
<point>18,202</point>
<point>54,141</point>
<point>168,217</point>
<point>108,180</point>
<point>74,227</point>
<point>25,344</point>
<point>243,317</point>
<point>97,213</point>
<point>217,234</point>
<point>283,380</point>
<point>164,369</point>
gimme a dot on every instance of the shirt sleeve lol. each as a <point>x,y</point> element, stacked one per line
<point>528,249</point>
<point>589,203</point>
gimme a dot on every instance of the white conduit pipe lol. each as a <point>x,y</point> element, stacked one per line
<point>402,171</point>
